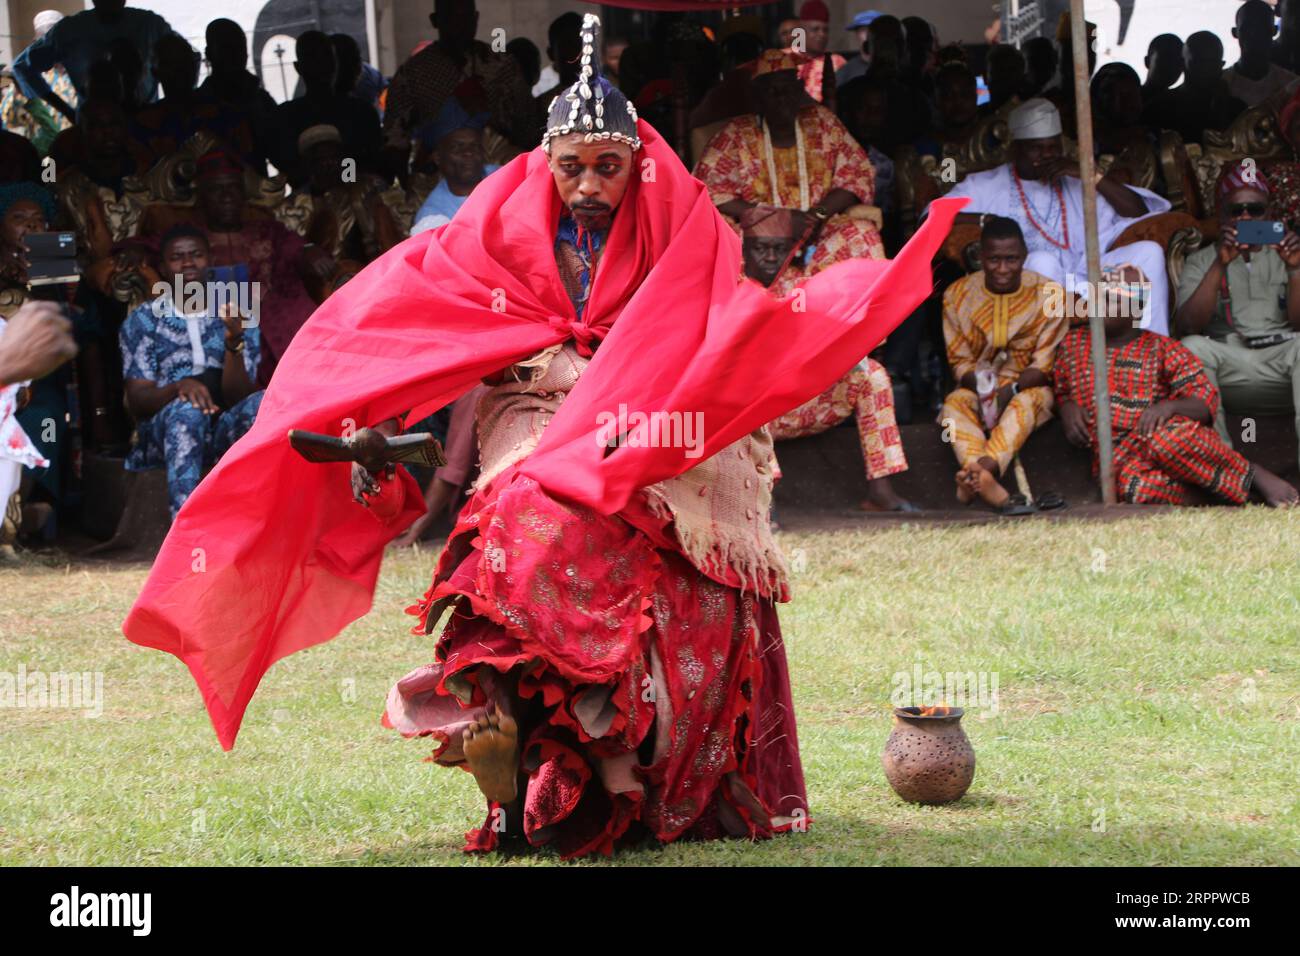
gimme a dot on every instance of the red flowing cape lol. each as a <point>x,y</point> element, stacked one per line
<point>270,554</point>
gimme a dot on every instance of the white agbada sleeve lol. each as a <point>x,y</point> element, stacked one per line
<point>988,191</point>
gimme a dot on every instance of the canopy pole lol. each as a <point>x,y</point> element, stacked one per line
<point>1083,131</point>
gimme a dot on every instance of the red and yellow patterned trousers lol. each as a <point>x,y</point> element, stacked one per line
<point>866,393</point>
<point>1027,410</point>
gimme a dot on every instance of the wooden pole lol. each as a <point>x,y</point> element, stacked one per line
<point>1083,124</point>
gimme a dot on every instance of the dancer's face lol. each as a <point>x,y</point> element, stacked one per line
<point>591,177</point>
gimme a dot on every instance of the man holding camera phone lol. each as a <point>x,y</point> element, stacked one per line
<point>1239,302</point>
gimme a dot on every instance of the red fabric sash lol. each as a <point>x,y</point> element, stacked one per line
<point>270,555</point>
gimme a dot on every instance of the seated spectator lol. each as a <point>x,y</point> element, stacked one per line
<point>796,155</point>
<point>957,100</point>
<point>258,248</point>
<point>190,377</point>
<point>1040,189</point>
<point>78,42</point>
<point>865,393</point>
<point>1239,307</point>
<point>1116,94</point>
<point>1002,326</point>
<point>1164,63</point>
<point>1118,130</point>
<point>96,151</point>
<point>1161,405</point>
<point>1203,100</point>
<point>1005,74</point>
<point>458,144</point>
<point>162,128</point>
<point>349,218</point>
<point>1254,78</point>
<point>815,20</point>
<point>229,82</point>
<point>357,122</point>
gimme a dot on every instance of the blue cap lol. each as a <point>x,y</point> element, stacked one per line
<point>451,117</point>
<point>864,19</point>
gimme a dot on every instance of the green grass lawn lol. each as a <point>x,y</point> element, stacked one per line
<point>1148,711</point>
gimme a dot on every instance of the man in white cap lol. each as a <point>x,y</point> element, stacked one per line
<point>1040,189</point>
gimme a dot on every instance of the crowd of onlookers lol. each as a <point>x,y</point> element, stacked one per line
<point>803,139</point>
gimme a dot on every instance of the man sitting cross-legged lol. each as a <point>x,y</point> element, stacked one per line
<point>865,392</point>
<point>1002,326</point>
<point>190,377</point>
<point>1161,404</point>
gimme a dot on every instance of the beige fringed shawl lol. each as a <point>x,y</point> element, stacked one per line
<point>719,509</point>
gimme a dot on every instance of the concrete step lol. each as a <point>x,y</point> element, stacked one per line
<point>825,472</point>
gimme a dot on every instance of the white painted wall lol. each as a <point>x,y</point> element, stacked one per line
<point>1154,17</point>
<point>403,23</point>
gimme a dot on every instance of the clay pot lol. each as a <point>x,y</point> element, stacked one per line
<point>928,758</point>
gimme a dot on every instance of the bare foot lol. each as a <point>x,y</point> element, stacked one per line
<point>1275,492</point>
<point>966,486</point>
<point>989,488</point>
<point>492,752</point>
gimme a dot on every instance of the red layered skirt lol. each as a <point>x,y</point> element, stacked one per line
<point>661,697</point>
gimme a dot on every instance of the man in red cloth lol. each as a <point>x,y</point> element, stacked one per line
<point>613,663</point>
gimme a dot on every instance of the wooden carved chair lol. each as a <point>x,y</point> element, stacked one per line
<point>1252,135</point>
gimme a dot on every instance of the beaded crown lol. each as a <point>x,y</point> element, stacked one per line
<point>592,105</point>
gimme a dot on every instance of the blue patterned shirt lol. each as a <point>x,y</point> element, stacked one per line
<point>157,344</point>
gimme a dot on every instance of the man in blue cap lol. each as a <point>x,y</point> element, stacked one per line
<point>456,137</point>
<point>857,66</point>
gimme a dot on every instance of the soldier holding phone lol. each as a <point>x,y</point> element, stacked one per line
<point>1239,302</point>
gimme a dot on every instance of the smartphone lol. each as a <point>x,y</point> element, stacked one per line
<point>1260,232</point>
<point>51,258</point>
